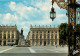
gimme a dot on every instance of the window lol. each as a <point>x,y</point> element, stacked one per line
<point>8,40</point>
<point>8,32</point>
<point>0,42</point>
<point>4,36</point>
<point>32,36</point>
<point>37,32</point>
<point>44,36</point>
<point>51,36</point>
<point>40,32</point>
<point>12,40</point>
<point>33,32</point>
<point>40,42</point>
<point>0,31</point>
<point>45,32</point>
<point>12,36</point>
<point>4,32</point>
<point>48,31</point>
<point>52,31</point>
<point>48,36</point>
<point>36,36</point>
<point>56,32</point>
<point>48,41</point>
<point>0,36</point>
<point>40,36</point>
<point>8,36</point>
<point>12,32</point>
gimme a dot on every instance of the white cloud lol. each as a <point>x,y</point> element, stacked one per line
<point>61,15</point>
<point>37,14</point>
<point>22,10</point>
<point>12,5</point>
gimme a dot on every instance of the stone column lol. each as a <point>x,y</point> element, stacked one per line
<point>50,38</point>
<point>15,36</point>
<point>53,41</point>
<point>35,42</point>
<point>42,35</point>
<point>30,37</point>
<point>38,38</point>
<point>54,35</point>
<point>2,34</point>
<point>35,39</point>
<point>39,42</point>
<point>39,35</point>
<point>54,38</point>
<point>50,42</point>
<point>6,42</point>
<point>57,42</point>
<point>46,38</point>
<point>50,35</point>
<point>42,42</point>
<point>2,38</point>
<point>58,38</point>
<point>10,36</point>
<point>31,42</point>
<point>46,42</point>
<point>6,37</point>
<point>46,34</point>
<point>2,42</point>
<point>35,35</point>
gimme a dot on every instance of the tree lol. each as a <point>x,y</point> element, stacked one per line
<point>63,29</point>
<point>66,30</point>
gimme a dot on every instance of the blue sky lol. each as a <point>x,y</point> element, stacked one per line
<point>24,13</point>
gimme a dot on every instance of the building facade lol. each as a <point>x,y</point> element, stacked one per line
<point>43,36</point>
<point>8,34</point>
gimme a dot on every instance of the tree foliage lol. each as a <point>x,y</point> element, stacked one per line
<point>64,30</point>
<point>78,29</point>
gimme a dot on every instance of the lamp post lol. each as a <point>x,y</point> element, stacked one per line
<point>70,6</point>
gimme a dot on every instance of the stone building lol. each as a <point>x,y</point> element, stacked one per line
<point>43,36</point>
<point>8,34</point>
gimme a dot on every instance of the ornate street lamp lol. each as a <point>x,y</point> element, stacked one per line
<point>52,12</point>
<point>70,6</point>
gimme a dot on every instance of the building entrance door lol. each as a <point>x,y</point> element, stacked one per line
<point>4,42</point>
<point>44,43</point>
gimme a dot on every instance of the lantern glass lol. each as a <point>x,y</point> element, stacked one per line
<point>52,14</point>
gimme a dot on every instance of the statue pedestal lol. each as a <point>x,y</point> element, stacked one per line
<point>21,41</point>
